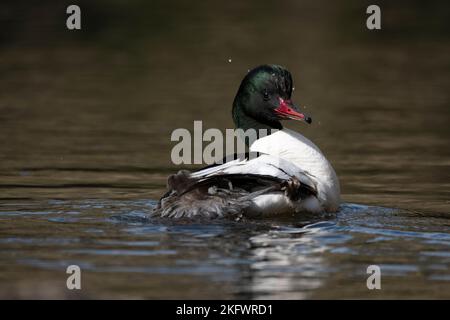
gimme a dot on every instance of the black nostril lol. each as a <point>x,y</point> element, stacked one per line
<point>308,120</point>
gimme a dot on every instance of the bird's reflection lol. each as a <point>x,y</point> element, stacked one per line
<point>287,262</point>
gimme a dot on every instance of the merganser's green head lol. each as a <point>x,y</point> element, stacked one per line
<point>264,99</point>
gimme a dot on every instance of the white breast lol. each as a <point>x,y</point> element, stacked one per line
<point>300,151</point>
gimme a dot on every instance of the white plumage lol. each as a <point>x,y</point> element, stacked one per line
<point>286,154</point>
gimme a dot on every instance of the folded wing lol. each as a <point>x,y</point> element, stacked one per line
<point>227,190</point>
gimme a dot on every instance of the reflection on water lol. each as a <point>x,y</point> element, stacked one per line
<point>85,123</point>
<point>117,246</point>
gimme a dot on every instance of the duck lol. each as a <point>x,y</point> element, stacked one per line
<point>283,172</point>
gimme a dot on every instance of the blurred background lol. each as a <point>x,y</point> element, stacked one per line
<point>108,96</point>
<point>87,114</point>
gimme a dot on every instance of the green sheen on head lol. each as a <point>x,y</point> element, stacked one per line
<point>259,94</point>
<point>264,99</point>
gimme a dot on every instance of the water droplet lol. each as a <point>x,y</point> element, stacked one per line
<point>229,60</point>
<point>293,88</point>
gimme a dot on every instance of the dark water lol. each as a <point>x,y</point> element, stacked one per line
<point>85,124</point>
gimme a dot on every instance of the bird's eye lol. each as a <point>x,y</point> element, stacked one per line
<point>266,95</point>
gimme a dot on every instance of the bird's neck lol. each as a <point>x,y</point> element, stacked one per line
<point>246,122</point>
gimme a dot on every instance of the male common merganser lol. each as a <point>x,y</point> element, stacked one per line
<point>289,175</point>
